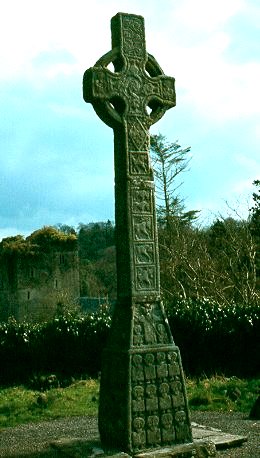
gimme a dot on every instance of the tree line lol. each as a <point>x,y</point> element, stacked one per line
<point>219,263</point>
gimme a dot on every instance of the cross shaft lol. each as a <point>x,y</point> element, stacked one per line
<point>122,100</point>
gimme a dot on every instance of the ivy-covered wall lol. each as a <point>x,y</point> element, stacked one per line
<point>35,272</point>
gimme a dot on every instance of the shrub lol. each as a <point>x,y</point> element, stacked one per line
<point>69,344</point>
<point>215,339</point>
<point>212,339</point>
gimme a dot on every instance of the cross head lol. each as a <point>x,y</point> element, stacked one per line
<point>138,87</point>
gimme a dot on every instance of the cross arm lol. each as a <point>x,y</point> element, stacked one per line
<point>99,89</point>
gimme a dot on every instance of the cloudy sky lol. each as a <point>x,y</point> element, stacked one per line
<point>56,157</point>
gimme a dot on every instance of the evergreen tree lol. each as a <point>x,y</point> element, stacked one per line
<point>169,161</point>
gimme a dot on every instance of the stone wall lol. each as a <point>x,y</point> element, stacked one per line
<point>31,287</point>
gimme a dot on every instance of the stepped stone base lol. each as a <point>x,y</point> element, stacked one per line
<point>197,449</point>
<point>78,448</point>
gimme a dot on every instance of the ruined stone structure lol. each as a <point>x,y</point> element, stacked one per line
<point>35,275</point>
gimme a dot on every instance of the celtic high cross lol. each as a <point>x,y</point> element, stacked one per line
<point>143,400</point>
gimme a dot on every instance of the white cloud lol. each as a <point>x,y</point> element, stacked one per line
<point>244,187</point>
<point>193,33</point>
<point>46,45</point>
<point>207,15</point>
<point>221,90</point>
<point>249,164</point>
<point>216,87</point>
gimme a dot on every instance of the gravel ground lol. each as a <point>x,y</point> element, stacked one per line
<point>33,437</point>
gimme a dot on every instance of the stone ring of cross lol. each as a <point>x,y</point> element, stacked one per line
<point>116,94</point>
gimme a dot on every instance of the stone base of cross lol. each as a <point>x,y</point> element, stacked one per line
<point>143,402</point>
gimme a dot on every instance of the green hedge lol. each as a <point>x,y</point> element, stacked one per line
<point>215,339</point>
<point>68,345</point>
<point>212,339</point>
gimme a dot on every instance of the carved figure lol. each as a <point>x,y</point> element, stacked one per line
<point>168,433</point>
<point>137,368</point>
<point>149,368</point>
<point>146,317</point>
<point>143,228</point>
<point>165,398</point>
<point>138,435</point>
<point>153,432</point>
<point>138,335</point>
<point>141,201</point>
<point>145,277</point>
<point>144,253</point>
<point>182,429</point>
<point>151,400</point>
<point>162,336</point>
<point>138,399</point>
<point>177,394</point>
<point>173,366</point>
<point>162,368</point>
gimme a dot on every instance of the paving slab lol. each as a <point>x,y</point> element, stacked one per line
<point>218,437</point>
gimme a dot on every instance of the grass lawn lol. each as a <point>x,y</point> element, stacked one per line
<point>221,393</point>
<point>21,405</point>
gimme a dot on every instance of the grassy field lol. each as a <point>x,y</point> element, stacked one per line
<point>222,393</point>
<point>22,405</point>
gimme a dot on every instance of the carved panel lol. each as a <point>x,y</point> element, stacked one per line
<point>138,136</point>
<point>143,228</point>
<point>146,278</point>
<point>144,253</point>
<point>144,317</point>
<point>149,325</point>
<point>139,163</point>
<point>159,399</point>
<point>133,37</point>
<point>168,90</point>
<point>129,88</point>
<point>141,200</point>
<point>101,83</point>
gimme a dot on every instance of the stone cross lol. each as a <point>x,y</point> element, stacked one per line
<point>143,401</point>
